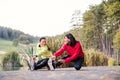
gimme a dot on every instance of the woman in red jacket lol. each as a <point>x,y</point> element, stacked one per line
<point>74,52</point>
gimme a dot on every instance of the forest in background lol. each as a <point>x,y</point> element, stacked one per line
<point>12,35</point>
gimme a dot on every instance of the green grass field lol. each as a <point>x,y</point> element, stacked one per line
<point>6,45</point>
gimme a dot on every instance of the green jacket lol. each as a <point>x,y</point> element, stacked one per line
<point>43,52</point>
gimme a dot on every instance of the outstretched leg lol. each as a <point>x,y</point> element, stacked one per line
<point>59,63</point>
<point>41,63</point>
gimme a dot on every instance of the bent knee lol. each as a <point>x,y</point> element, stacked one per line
<point>77,67</point>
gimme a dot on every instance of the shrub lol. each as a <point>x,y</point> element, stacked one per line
<point>11,60</point>
<point>15,42</point>
<point>26,53</point>
<point>111,62</point>
<point>95,58</point>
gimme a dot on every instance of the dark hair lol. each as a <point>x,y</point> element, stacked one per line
<point>72,39</point>
<point>40,40</point>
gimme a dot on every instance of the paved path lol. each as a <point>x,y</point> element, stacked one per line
<point>86,73</point>
<point>2,52</point>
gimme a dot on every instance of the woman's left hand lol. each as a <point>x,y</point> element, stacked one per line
<point>61,60</point>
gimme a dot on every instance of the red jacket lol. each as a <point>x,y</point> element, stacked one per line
<point>74,52</point>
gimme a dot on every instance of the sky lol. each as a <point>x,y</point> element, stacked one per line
<point>41,17</point>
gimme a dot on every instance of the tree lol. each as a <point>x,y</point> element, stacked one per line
<point>10,34</point>
<point>24,39</point>
<point>112,17</point>
<point>92,27</point>
<point>116,44</point>
<point>76,20</point>
<point>15,42</point>
<point>5,34</point>
<point>100,23</point>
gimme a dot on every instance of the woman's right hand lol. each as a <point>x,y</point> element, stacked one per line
<point>53,57</point>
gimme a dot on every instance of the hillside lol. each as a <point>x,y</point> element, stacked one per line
<point>11,34</point>
<point>6,45</point>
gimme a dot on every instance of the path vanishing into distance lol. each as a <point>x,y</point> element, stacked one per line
<point>2,52</point>
<point>86,73</point>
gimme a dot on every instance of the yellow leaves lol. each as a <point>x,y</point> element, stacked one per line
<point>116,40</point>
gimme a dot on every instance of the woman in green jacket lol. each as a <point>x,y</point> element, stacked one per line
<point>42,56</point>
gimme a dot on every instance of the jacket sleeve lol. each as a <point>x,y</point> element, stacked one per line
<point>75,54</point>
<point>60,51</point>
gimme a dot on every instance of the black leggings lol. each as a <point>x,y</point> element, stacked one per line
<point>42,63</point>
<point>78,62</point>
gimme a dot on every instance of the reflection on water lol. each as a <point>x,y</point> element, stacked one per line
<point>13,68</point>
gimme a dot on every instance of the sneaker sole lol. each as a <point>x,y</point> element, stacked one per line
<point>32,65</point>
<point>51,66</point>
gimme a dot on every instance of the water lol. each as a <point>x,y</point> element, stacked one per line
<point>13,69</point>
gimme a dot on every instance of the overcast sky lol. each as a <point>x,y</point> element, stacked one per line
<point>41,17</point>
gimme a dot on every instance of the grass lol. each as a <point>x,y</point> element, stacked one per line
<point>1,56</point>
<point>6,45</point>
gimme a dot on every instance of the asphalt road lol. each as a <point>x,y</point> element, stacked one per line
<point>86,73</point>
